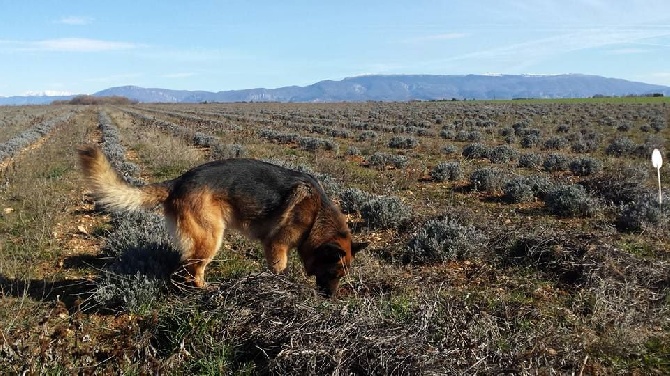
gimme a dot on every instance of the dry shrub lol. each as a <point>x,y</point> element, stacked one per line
<point>503,154</point>
<point>525,188</point>
<point>555,254</point>
<point>446,171</point>
<point>276,325</point>
<point>352,199</point>
<point>383,160</point>
<point>225,151</point>
<point>385,212</point>
<point>530,160</point>
<point>623,294</point>
<point>571,200</point>
<point>281,327</point>
<point>619,186</point>
<point>586,166</point>
<point>444,239</point>
<point>644,213</point>
<point>487,179</point>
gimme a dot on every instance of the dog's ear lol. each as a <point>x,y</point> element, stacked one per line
<point>331,252</point>
<point>357,247</point>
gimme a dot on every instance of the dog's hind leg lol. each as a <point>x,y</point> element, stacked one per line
<point>198,232</point>
<point>205,246</point>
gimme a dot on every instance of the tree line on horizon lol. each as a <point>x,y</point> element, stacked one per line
<point>92,100</point>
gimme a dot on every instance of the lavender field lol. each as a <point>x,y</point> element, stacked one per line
<point>506,237</point>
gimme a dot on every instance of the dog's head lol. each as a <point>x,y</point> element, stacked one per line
<point>331,262</point>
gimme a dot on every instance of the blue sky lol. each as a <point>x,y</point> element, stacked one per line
<point>85,46</point>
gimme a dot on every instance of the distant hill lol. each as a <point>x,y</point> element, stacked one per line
<point>410,87</point>
<point>33,99</point>
<point>393,88</point>
<point>152,95</point>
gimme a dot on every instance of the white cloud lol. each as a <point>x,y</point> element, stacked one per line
<point>179,75</point>
<point>628,51</point>
<point>524,54</point>
<point>49,93</point>
<point>75,20</point>
<point>82,45</point>
<point>191,55</point>
<point>597,13</point>
<point>435,37</point>
<point>115,78</point>
<point>68,45</point>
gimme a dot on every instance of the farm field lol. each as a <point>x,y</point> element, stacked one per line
<point>505,238</point>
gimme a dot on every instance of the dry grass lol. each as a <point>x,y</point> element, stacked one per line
<point>540,294</point>
<point>14,120</point>
<point>164,156</point>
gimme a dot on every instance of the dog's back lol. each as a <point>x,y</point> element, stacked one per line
<point>257,188</point>
<point>254,194</point>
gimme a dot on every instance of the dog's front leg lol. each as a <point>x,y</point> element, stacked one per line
<point>276,256</point>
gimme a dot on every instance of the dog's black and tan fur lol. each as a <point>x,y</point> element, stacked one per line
<point>282,208</point>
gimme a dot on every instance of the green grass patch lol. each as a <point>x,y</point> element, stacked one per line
<point>603,100</point>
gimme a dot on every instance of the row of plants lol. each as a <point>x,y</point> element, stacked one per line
<point>504,262</point>
<point>217,148</point>
<point>33,134</point>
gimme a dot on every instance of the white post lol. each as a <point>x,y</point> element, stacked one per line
<point>657,162</point>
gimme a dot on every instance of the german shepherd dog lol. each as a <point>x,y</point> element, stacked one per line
<point>282,208</point>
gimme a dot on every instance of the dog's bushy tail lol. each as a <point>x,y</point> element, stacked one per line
<point>110,190</point>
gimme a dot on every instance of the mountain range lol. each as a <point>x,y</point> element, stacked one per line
<point>391,88</point>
